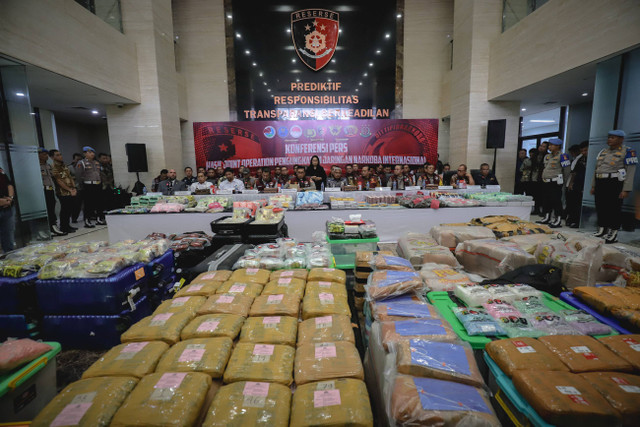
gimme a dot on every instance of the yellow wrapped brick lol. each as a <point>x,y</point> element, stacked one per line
<point>212,276</point>
<point>327,274</point>
<point>285,285</point>
<point>227,304</point>
<point>158,327</point>
<point>86,403</point>
<point>203,289</point>
<point>248,403</point>
<point>135,359</point>
<point>325,329</point>
<point>260,362</point>
<point>206,355</point>
<point>213,325</point>
<point>341,402</point>
<point>327,361</point>
<point>275,305</point>
<point>325,286</point>
<point>172,398</point>
<point>298,273</point>
<point>253,275</point>
<point>240,288</point>
<point>324,304</point>
<point>181,305</point>
<point>270,330</point>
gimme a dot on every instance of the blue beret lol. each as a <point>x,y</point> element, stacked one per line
<point>619,133</point>
<point>87,148</point>
<point>555,141</point>
<point>42,150</point>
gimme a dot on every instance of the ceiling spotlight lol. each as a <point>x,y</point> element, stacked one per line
<point>386,36</point>
<point>268,90</point>
<point>370,64</point>
<point>229,16</point>
<point>33,114</point>
<point>264,83</point>
<point>238,36</point>
<point>524,109</point>
<point>357,90</point>
<point>254,64</point>
<point>19,94</point>
<point>298,80</point>
<point>272,95</point>
<point>365,74</point>
<point>399,16</point>
<point>585,94</point>
<point>260,73</point>
<point>95,112</point>
<point>288,30</point>
<point>359,83</point>
<point>542,121</point>
<point>248,52</point>
<point>293,60</point>
<point>378,51</point>
<point>328,80</point>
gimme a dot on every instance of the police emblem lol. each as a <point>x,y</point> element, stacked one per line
<point>315,36</point>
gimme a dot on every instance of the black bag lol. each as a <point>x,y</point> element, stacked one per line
<point>543,277</point>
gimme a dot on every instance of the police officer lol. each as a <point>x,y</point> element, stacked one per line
<point>49,192</point>
<point>88,172</point>
<point>613,181</point>
<point>557,167</point>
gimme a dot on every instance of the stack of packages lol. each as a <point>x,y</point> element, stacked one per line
<point>361,273</point>
<point>286,253</point>
<point>575,380</point>
<point>621,303</point>
<point>226,350</point>
<point>421,374</point>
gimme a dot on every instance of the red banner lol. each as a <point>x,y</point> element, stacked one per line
<point>335,142</point>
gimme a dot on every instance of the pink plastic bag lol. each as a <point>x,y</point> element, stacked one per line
<point>18,352</point>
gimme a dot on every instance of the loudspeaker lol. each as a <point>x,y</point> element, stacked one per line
<point>137,157</point>
<point>495,133</point>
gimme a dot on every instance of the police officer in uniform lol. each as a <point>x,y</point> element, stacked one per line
<point>613,181</point>
<point>557,167</point>
<point>88,172</point>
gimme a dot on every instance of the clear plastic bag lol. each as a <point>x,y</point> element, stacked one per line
<point>261,362</point>
<point>325,329</point>
<point>477,321</point>
<point>552,324</point>
<point>386,262</point>
<point>442,277</point>
<point>388,283</point>
<point>530,305</point>
<point>472,295</point>
<point>206,355</point>
<point>585,323</point>
<point>327,361</point>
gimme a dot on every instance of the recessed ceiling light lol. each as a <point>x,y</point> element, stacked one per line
<point>298,80</point>
<point>238,36</point>
<point>19,94</point>
<point>268,90</point>
<point>260,74</point>
<point>95,112</point>
<point>264,83</point>
<point>272,95</point>
<point>248,52</point>
<point>378,51</point>
<point>340,30</point>
<point>357,90</point>
<point>293,59</point>
<point>399,15</point>
<point>288,30</point>
<point>386,36</point>
<point>254,64</point>
<point>370,64</point>
<point>33,114</point>
<point>360,83</point>
<point>524,109</point>
<point>542,121</point>
<point>365,74</point>
<point>585,94</point>
<point>229,16</point>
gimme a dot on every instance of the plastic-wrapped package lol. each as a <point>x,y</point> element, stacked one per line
<point>295,262</point>
<point>270,330</point>
<point>501,292</point>
<point>518,326</point>
<point>523,353</point>
<point>477,321</point>
<point>421,248</point>
<point>450,235</point>
<point>299,251</point>
<point>552,324</point>
<point>16,353</point>
<point>261,362</point>
<point>198,289</point>
<point>388,262</point>
<point>387,283</point>
<point>324,304</point>
<point>585,323</point>
<point>241,288</point>
<point>424,329</point>
<point>158,327</point>
<point>213,325</point>
<point>498,308</point>
<point>91,402</point>
<point>529,242</point>
<point>492,258</point>
<point>247,261</point>
<point>181,305</point>
<point>390,310</point>
<point>626,316</point>
<point>135,359</point>
<point>327,361</point>
<point>584,354</point>
<point>565,399</point>
<point>275,305</point>
<point>173,398</point>
<point>289,273</point>
<point>286,242</point>
<point>441,277</point>
<point>579,268</point>
<point>247,403</point>
<point>431,402</point>
<point>620,390</point>
<point>272,263</point>
<point>207,355</point>
<point>334,288</point>
<point>340,402</point>
<point>325,329</point>
<point>328,275</point>
<point>530,305</point>
<point>606,299</point>
<point>212,276</point>
<point>254,275</point>
<point>227,304</point>
<point>523,291</point>
<point>472,295</point>
<point>625,346</point>
<point>319,260</point>
<point>285,285</point>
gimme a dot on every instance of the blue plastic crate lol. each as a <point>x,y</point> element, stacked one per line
<point>17,326</point>
<point>163,267</point>
<point>14,293</point>
<point>571,299</point>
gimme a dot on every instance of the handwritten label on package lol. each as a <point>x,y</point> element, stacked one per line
<point>71,414</point>
<point>323,398</point>
<point>324,322</point>
<point>225,299</point>
<point>160,319</point>
<point>325,350</point>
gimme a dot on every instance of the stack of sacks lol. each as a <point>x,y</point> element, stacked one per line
<point>421,248</point>
<point>621,303</point>
<point>451,235</point>
<point>442,278</point>
<point>326,294</point>
<point>619,262</point>
<point>492,258</point>
<point>362,272</point>
<point>508,225</point>
<point>529,243</point>
<point>580,261</point>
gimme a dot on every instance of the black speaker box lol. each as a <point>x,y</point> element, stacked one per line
<point>137,157</point>
<point>495,133</point>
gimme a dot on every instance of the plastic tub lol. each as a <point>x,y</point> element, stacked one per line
<point>571,299</point>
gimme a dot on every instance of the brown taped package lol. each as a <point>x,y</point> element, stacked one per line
<point>90,403</point>
<point>425,329</point>
<point>203,289</point>
<point>270,330</point>
<point>625,346</point>
<point>285,285</point>
<point>327,361</point>
<point>529,242</point>
<point>158,327</point>
<point>173,398</point>
<point>584,354</point>
<point>341,402</point>
<point>227,304</point>
<point>442,278</point>
<point>409,409</point>
<point>240,288</point>
<point>212,276</point>
<point>327,274</point>
<point>207,355</point>
<point>523,353</point>
<point>363,258</point>
<point>621,391</point>
<point>135,359</point>
<point>632,317</point>
<point>261,362</point>
<point>325,329</point>
<point>492,258</point>
<point>294,274</point>
<point>450,235</point>
<point>213,325</point>
<point>324,286</point>
<point>387,283</point>
<point>324,304</point>
<point>250,404</point>
<point>251,275</point>
<point>275,305</point>
<point>181,305</point>
<point>387,262</point>
<point>598,298</point>
<point>444,361</point>
<point>564,399</point>
<point>411,309</point>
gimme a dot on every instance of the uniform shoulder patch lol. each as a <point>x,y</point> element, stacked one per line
<point>631,158</point>
<point>564,160</point>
